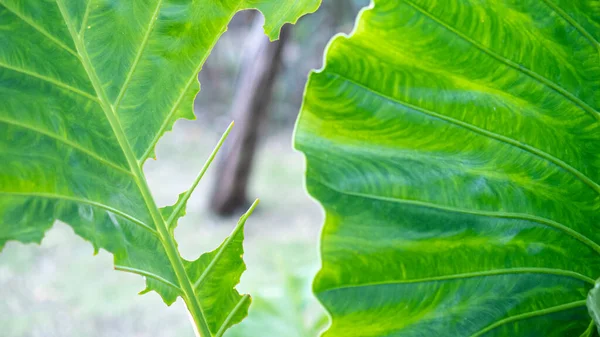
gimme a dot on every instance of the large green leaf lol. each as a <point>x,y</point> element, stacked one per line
<point>86,90</point>
<point>455,146</point>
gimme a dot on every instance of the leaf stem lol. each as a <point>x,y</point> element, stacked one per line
<point>166,239</point>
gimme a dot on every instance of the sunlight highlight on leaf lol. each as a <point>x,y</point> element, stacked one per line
<point>455,147</point>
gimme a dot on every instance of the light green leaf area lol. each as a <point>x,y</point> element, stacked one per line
<point>455,147</point>
<point>87,88</point>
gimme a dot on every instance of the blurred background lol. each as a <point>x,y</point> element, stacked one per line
<point>61,289</point>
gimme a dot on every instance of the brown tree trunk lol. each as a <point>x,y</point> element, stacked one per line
<point>259,69</point>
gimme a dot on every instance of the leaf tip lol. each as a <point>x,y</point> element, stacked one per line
<point>252,207</point>
<point>225,134</point>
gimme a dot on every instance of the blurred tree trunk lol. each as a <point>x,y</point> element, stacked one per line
<point>338,10</point>
<point>260,65</point>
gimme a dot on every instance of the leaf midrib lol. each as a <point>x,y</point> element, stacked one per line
<point>166,239</point>
<point>110,111</point>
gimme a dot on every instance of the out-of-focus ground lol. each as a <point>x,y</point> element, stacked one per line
<point>59,289</point>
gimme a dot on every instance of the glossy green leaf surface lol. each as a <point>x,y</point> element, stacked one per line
<point>86,90</point>
<point>455,147</point>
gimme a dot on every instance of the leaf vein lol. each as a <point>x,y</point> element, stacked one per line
<point>565,93</point>
<point>68,143</point>
<point>50,80</point>
<point>232,314</point>
<point>503,215</point>
<point>179,99</point>
<point>138,56</point>
<point>226,244</point>
<point>573,23</point>
<point>39,29</point>
<point>523,146</point>
<point>461,276</point>
<point>84,21</point>
<point>531,314</point>
<point>83,201</point>
<point>167,240</point>
<point>181,204</point>
<point>589,330</point>
<point>148,274</point>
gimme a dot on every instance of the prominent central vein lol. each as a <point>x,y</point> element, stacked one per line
<point>166,239</point>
